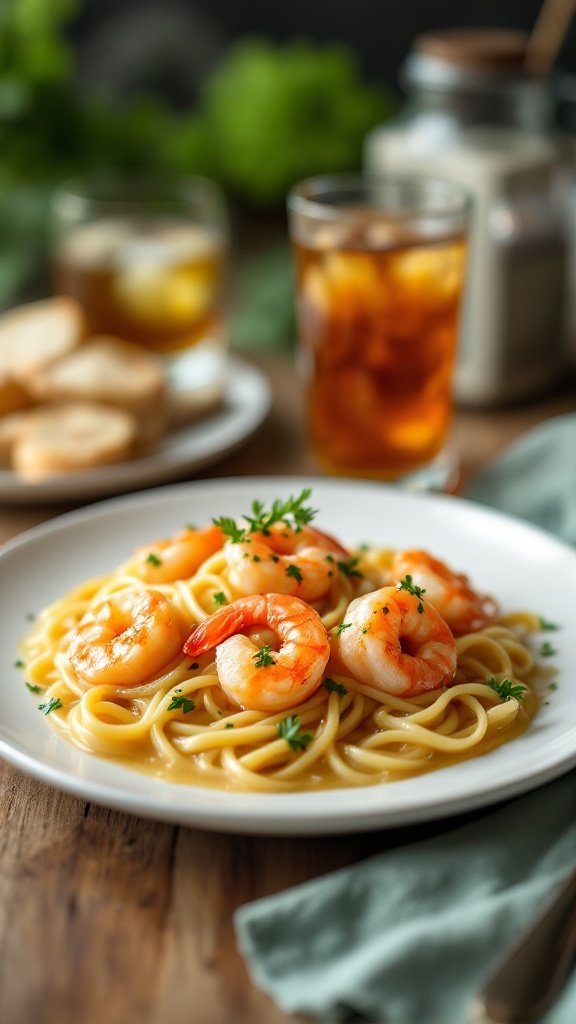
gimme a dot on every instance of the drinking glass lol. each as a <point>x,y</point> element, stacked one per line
<point>380,266</point>
<point>147,261</point>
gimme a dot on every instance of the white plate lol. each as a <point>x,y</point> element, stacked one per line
<point>245,406</point>
<point>523,566</point>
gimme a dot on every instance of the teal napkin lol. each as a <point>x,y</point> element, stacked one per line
<point>407,937</point>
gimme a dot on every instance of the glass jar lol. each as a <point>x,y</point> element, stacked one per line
<point>472,116</point>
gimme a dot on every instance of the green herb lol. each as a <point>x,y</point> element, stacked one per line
<point>293,513</point>
<point>363,547</point>
<point>181,703</point>
<point>341,627</point>
<point>30,616</point>
<point>153,559</point>
<point>411,588</point>
<point>263,658</point>
<point>294,572</point>
<point>546,650</point>
<point>219,598</point>
<point>230,529</point>
<point>229,725</point>
<point>348,568</point>
<point>548,625</point>
<point>506,689</point>
<point>333,687</point>
<point>330,558</point>
<point>50,705</point>
<point>289,729</point>
<point>552,687</point>
<point>19,663</point>
<point>33,687</point>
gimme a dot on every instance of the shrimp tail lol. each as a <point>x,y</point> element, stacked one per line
<point>213,631</point>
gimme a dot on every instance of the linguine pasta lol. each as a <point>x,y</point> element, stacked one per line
<point>182,726</point>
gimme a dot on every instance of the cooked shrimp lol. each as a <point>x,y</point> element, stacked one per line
<point>301,563</point>
<point>258,678</point>
<point>127,639</point>
<point>464,610</point>
<point>397,642</point>
<point>178,557</point>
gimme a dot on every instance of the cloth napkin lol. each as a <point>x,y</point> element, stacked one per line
<point>408,936</point>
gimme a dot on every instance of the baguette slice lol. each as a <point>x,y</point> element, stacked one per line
<point>106,370</point>
<point>64,438</point>
<point>34,335</point>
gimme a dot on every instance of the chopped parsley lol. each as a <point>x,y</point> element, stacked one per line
<point>18,663</point>
<point>548,625</point>
<point>219,598</point>
<point>411,588</point>
<point>33,687</point>
<point>506,689</point>
<point>292,513</point>
<point>181,703</point>
<point>263,657</point>
<point>290,729</point>
<point>229,725</point>
<point>546,650</point>
<point>333,687</point>
<point>349,569</point>
<point>341,627</point>
<point>552,687</point>
<point>152,559</point>
<point>50,705</point>
<point>294,572</point>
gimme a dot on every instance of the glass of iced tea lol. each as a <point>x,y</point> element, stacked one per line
<point>147,260</point>
<point>380,268</point>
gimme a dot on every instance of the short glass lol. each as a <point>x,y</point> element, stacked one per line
<point>147,260</point>
<point>380,266</point>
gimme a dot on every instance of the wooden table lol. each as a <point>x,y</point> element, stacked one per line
<point>109,918</point>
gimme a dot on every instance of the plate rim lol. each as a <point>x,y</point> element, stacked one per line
<point>240,818</point>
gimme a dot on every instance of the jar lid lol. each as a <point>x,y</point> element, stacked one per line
<point>483,49</point>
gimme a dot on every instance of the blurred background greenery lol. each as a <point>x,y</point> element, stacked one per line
<point>265,116</point>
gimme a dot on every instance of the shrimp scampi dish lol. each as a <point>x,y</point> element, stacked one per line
<point>264,654</point>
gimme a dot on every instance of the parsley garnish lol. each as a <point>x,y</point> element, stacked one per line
<point>219,598</point>
<point>263,658</point>
<point>552,687</point>
<point>293,571</point>
<point>293,513</point>
<point>153,559</point>
<point>341,627</point>
<point>546,650</point>
<point>548,625</point>
<point>348,568</point>
<point>50,705</point>
<point>289,729</point>
<point>230,529</point>
<point>506,689</point>
<point>33,687</point>
<point>229,725</point>
<point>333,687</point>
<point>411,588</point>
<point>18,663</point>
<point>181,703</point>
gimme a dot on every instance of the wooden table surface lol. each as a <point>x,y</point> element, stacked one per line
<point>110,918</point>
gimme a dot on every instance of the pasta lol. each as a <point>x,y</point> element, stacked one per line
<point>306,711</point>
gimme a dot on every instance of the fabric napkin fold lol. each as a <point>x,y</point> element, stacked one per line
<point>407,937</point>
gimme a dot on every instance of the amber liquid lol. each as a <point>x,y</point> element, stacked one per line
<point>156,284</point>
<point>378,332</point>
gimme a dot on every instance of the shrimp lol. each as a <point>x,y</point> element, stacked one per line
<point>397,642</point>
<point>301,563</point>
<point>126,639</point>
<point>257,678</point>
<point>464,610</point>
<point>178,557</point>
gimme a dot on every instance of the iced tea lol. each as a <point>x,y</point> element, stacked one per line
<point>378,314</point>
<point>157,283</point>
